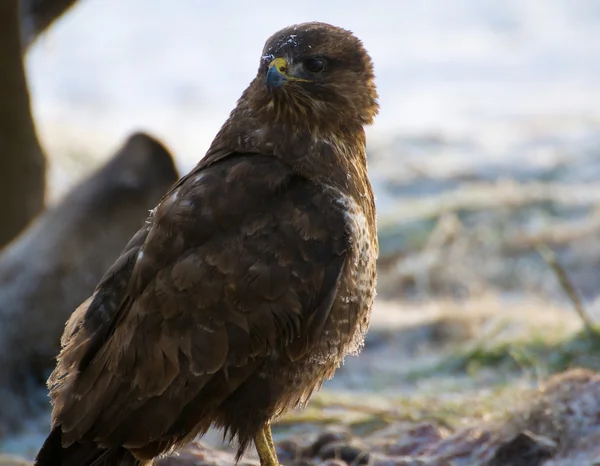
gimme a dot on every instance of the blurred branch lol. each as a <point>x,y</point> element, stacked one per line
<point>550,258</point>
<point>38,15</point>
<point>22,162</point>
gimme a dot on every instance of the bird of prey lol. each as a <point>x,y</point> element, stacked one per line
<point>250,281</point>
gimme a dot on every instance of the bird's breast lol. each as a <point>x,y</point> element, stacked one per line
<point>349,318</point>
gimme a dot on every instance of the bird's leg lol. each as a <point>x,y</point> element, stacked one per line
<point>269,436</point>
<point>265,447</point>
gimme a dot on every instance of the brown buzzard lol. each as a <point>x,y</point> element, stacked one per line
<point>251,280</point>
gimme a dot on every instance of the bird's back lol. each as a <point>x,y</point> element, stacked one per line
<point>231,281</point>
<point>251,280</point>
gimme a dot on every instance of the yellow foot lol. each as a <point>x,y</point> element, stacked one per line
<point>265,447</point>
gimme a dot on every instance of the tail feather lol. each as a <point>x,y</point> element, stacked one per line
<point>52,453</point>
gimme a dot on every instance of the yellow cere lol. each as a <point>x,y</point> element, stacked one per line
<point>282,67</point>
<point>280,64</point>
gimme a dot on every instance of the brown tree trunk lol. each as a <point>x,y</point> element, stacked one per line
<point>57,262</point>
<point>22,162</point>
<point>37,15</point>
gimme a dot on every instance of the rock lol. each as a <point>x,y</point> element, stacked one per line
<point>54,265</point>
<point>323,440</point>
<point>349,453</point>
<point>525,449</point>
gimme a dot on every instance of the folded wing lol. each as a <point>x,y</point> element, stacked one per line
<point>241,259</point>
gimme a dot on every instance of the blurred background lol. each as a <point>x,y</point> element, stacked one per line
<point>485,160</point>
<point>482,73</point>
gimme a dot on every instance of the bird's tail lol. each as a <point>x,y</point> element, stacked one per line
<point>52,453</point>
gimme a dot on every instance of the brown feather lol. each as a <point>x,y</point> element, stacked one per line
<point>250,281</point>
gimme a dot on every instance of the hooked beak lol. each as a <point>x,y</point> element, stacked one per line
<point>279,73</point>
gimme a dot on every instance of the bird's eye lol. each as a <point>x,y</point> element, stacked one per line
<point>314,65</point>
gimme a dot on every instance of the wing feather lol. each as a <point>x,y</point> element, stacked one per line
<point>240,260</point>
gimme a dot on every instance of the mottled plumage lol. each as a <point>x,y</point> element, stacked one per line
<point>249,283</point>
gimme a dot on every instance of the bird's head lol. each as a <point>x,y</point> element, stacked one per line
<point>315,70</point>
<point>308,104</point>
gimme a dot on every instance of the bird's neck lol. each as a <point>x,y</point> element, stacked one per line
<point>334,154</point>
<point>332,157</point>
